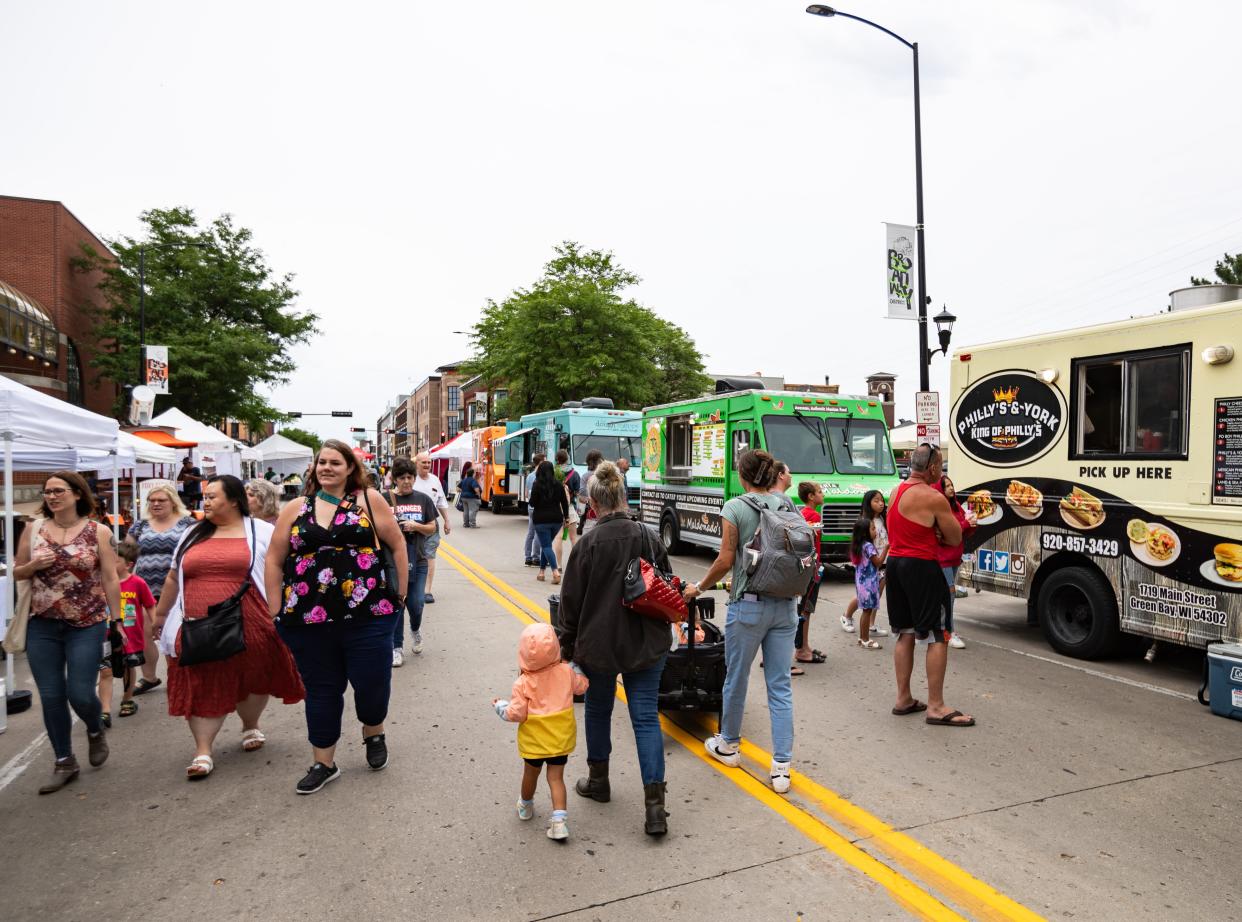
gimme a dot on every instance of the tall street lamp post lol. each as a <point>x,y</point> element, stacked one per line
<point>142,296</point>
<point>816,9</point>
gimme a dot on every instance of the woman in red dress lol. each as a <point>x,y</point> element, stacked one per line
<point>212,561</point>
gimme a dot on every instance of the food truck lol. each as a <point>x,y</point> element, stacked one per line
<point>690,452</point>
<point>1104,465</point>
<point>489,466</point>
<point>578,426</point>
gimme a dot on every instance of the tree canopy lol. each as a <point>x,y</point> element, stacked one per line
<point>573,334</point>
<point>210,297</point>
<point>1228,271</point>
<point>302,437</point>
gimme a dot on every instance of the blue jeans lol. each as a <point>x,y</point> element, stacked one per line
<point>642,694</point>
<point>749,625</point>
<point>531,547</point>
<point>65,663</point>
<point>547,533</point>
<point>413,604</point>
<point>950,575</point>
<point>333,654</point>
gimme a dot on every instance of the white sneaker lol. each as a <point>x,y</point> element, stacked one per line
<point>780,777</point>
<point>526,810</point>
<point>847,624</point>
<point>418,643</point>
<point>878,631</point>
<point>558,830</point>
<point>722,751</point>
<point>956,642</point>
<point>398,658</point>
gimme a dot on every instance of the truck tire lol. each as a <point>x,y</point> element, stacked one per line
<point>670,537</point>
<point>1078,613</point>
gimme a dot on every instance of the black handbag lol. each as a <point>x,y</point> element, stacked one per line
<point>218,635</point>
<point>388,563</point>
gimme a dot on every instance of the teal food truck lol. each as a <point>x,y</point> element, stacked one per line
<point>578,427</point>
<point>690,452</point>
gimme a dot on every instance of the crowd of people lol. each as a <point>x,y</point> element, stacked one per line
<point>254,601</point>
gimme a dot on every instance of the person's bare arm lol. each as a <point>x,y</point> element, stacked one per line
<point>723,562</point>
<point>107,568</point>
<point>277,554</point>
<point>168,595</point>
<point>946,522</point>
<point>28,566</point>
<point>386,527</point>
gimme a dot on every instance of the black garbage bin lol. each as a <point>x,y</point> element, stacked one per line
<point>554,609</point>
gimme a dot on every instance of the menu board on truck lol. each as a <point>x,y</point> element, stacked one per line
<point>1227,452</point>
<point>707,450</point>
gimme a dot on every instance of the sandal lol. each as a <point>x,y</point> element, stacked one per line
<point>795,670</point>
<point>869,644</point>
<point>540,576</point>
<point>912,708</point>
<point>128,708</point>
<point>199,767</point>
<point>145,685</point>
<point>815,657</point>
<point>556,577</point>
<point>253,740</point>
<point>947,720</point>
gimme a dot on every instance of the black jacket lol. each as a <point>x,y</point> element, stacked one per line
<point>549,509</point>
<point>596,630</point>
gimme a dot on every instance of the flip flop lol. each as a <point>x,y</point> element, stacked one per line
<point>145,685</point>
<point>948,721</point>
<point>794,670</point>
<point>816,657</point>
<point>910,709</point>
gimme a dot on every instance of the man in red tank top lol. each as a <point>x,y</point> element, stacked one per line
<point>919,521</point>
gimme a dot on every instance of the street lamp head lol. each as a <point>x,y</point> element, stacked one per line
<point>944,321</point>
<point>818,9</point>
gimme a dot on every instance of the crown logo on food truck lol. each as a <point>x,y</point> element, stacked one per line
<point>1005,394</point>
<point>1007,418</point>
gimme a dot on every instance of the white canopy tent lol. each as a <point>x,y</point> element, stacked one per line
<point>284,455</point>
<point>212,443</point>
<point>35,425</point>
<point>460,448</point>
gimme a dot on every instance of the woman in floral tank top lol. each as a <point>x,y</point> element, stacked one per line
<point>333,605</point>
<point>72,568</point>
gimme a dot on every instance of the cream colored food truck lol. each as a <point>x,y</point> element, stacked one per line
<point>1105,467</point>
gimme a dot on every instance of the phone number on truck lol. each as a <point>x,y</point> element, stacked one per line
<point>1101,547</point>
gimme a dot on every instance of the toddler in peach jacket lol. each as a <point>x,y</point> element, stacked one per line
<point>542,702</point>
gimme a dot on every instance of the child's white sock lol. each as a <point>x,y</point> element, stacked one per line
<point>561,815</point>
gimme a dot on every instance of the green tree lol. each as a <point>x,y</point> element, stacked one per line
<point>573,334</point>
<point>301,436</point>
<point>228,322</point>
<point>1228,271</point>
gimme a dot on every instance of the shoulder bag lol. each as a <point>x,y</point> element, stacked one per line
<point>388,563</point>
<point>651,592</point>
<point>15,633</point>
<point>218,635</point>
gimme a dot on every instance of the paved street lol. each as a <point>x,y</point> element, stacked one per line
<point>1088,791</point>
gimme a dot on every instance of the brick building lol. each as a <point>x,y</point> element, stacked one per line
<point>46,325</point>
<point>436,412</point>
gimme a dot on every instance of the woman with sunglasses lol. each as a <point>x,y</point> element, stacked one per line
<point>71,565</point>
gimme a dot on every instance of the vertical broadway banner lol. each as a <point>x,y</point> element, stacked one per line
<point>155,368</point>
<point>901,272</point>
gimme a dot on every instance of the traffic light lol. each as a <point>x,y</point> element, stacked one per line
<point>356,429</point>
<point>342,412</point>
<point>294,415</point>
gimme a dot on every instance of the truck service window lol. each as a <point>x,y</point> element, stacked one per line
<point>741,443</point>
<point>1132,405</point>
<point>859,446</point>
<point>679,435</point>
<point>799,441</point>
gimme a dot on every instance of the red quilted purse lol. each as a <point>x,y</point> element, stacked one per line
<point>651,592</point>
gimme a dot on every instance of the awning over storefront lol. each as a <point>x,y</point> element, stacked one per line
<point>514,435</point>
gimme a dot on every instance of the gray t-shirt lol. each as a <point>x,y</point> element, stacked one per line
<point>745,519</point>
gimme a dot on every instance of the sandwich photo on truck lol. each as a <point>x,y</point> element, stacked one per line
<point>1104,465</point>
<point>690,450</point>
<point>578,427</point>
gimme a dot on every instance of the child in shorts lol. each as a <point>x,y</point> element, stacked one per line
<point>867,562</point>
<point>542,702</point>
<point>137,610</point>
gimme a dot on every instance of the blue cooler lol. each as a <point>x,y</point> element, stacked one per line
<point>1225,679</point>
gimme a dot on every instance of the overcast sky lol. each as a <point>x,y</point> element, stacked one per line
<point>408,161</point>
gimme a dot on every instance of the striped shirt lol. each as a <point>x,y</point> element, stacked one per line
<point>155,551</point>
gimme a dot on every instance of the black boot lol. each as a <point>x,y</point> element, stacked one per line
<point>596,786</point>
<point>657,816</point>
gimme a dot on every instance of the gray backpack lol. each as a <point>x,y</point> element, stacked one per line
<point>782,553</point>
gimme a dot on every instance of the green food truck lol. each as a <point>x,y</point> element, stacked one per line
<point>690,452</point>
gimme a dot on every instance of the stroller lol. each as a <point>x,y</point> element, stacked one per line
<point>694,673</point>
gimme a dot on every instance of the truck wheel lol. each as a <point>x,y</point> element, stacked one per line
<point>1078,613</point>
<point>669,536</point>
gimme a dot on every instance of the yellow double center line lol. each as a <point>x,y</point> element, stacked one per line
<point>932,871</point>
